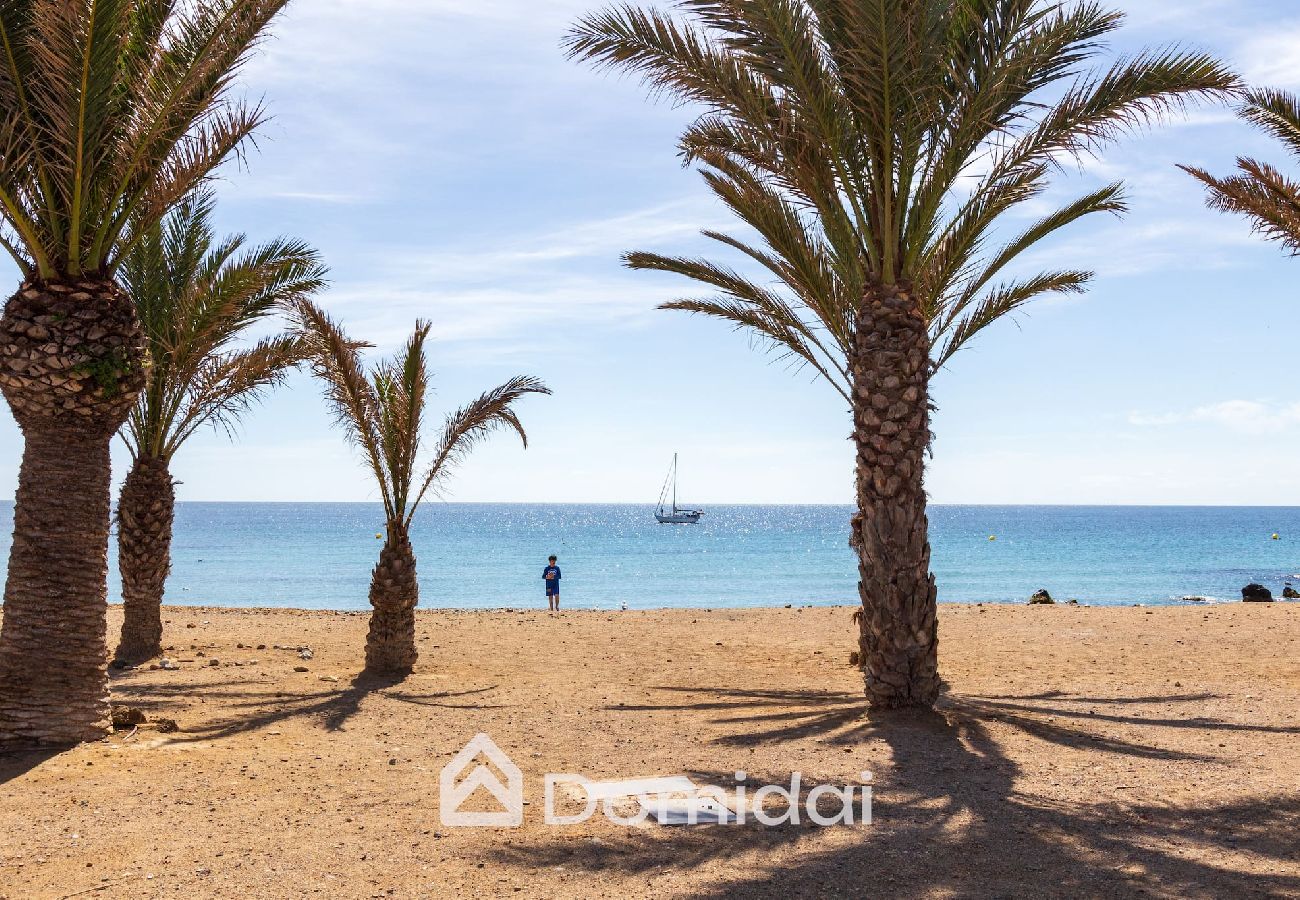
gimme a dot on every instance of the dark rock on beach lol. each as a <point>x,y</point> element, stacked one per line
<point>127,716</point>
<point>1256,593</point>
<point>1041,596</point>
<point>1290,593</point>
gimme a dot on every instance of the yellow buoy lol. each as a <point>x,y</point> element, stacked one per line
<point>1275,537</point>
<point>378,536</point>
<point>993,537</point>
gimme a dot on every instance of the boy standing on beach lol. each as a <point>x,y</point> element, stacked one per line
<point>551,575</point>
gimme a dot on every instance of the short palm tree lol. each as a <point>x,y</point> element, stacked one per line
<point>111,111</point>
<point>195,297</point>
<point>382,412</point>
<point>874,148</point>
<point>1261,192</point>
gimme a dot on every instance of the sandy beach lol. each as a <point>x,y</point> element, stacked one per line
<point>1100,751</point>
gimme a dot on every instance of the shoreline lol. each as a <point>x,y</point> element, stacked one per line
<point>1076,750</point>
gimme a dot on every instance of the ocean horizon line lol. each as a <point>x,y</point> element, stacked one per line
<point>848,504</point>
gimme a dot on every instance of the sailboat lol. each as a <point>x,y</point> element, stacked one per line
<point>674,515</point>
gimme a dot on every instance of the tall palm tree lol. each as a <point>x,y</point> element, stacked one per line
<point>382,412</point>
<point>1261,192</point>
<point>110,112</point>
<point>875,148</point>
<point>194,297</point>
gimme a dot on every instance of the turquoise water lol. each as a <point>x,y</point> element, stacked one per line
<point>319,555</point>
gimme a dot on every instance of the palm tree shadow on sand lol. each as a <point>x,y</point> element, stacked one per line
<point>949,817</point>
<point>255,709</point>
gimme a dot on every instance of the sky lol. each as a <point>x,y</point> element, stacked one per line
<point>451,164</point>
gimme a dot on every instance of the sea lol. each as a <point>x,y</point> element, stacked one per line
<point>485,555</point>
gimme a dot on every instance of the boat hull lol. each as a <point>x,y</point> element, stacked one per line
<point>678,518</point>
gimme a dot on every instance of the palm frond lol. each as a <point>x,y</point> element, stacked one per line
<point>228,385</point>
<point>844,132</point>
<point>112,111</point>
<point>1261,192</point>
<point>468,426</point>
<point>1003,300</point>
<point>336,362</point>
<point>196,297</point>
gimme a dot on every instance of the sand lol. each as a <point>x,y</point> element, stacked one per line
<point>1094,751</point>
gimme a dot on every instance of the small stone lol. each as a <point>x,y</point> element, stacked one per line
<point>1041,596</point>
<point>167,664</point>
<point>305,653</point>
<point>300,668</point>
<point>190,625</point>
<point>214,662</point>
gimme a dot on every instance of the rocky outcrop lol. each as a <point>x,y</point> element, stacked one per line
<point>1256,593</point>
<point>1041,596</point>
<point>1290,593</point>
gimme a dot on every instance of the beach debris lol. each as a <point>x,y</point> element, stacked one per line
<point>126,716</point>
<point>331,678</point>
<point>1194,599</point>
<point>1041,596</point>
<point>300,668</point>
<point>1256,593</point>
<point>167,664</point>
<point>305,653</point>
<point>1289,593</point>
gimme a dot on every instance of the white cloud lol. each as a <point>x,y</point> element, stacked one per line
<point>1243,416</point>
<point>1273,58</point>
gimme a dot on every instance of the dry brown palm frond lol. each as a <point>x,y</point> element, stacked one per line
<point>1261,192</point>
<point>336,361</point>
<point>382,411</point>
<point>228,385</point>
<point>472,423</point>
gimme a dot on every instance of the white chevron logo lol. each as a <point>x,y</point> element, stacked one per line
<point>453,790</point>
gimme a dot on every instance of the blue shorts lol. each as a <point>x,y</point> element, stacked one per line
<point>552,589</point>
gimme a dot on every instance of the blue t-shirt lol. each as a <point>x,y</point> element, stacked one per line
<point>552,576</point>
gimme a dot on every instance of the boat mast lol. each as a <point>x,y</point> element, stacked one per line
<point>674,484</point>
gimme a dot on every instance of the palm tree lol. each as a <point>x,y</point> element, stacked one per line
<point>1270,199</point>
<point>382,412</point>
<point>194,297</point>
<point>874,147</point>
<point>110,112</point>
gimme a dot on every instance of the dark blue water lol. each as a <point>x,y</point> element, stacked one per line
<point>319,555</point>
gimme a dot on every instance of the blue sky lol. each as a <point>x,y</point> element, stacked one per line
<point>451,164</point>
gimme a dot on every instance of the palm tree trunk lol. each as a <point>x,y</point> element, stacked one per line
<point>71,364</point>
<point>898,641</point>
<point>394,592</point>
<point>144,540</point>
